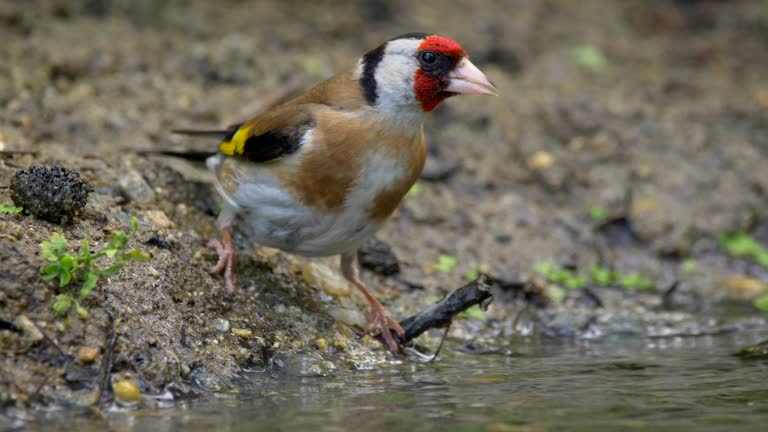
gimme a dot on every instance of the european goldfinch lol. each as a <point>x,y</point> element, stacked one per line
<point>319,174</point>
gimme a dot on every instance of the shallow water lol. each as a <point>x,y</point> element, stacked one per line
<point>618,383</point>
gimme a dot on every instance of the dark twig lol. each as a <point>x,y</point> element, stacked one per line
<point>50,340</point>
<point>442,341</point>
<point>440,313</point>
<point>106,365</point>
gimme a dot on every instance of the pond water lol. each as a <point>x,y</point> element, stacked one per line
<point>617,383</point>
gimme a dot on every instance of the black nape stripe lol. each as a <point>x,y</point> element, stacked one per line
<point>368,81</point>
<point>415,35</point>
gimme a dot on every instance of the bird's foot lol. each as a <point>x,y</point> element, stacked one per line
<point>379,317</point>
<point>227,259</point>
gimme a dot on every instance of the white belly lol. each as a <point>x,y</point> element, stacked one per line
<point>274,218</point>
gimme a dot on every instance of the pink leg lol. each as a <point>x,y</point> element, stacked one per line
<point>377,315</point>
<point>227,257</point>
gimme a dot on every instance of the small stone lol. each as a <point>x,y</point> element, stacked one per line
<point>221,325</point>
<point>29,328</point>
<point>158,218</point>
<point>378,257</point>
<point>322,344</point>
<point>184,371</point>
<point>153,272</point>
<point>744,288</point>
<point>135,188</point>
<point>339,343</point>
<point>87,355</point>
<point>242,333</point>
<point>127,391</point>
<point>328,280</point>
<point>541,160</point>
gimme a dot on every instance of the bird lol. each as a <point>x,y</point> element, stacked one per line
<point>319,174</point>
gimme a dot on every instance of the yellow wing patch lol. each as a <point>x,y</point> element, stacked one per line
<point>236,145</point>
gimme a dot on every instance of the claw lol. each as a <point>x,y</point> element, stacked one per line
<point>226,262</point>
<point>379,317</point>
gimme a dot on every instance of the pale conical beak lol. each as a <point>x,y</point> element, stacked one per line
<point>466,78</point>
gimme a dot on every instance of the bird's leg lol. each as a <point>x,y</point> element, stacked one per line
<point>377,315</point>
<point>226,250</point>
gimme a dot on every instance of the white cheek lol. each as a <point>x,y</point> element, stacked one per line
<point>395,76</point>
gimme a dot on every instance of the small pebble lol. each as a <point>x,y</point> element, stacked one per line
<point>29,328</point>
<point>339,343</point>
<point>541,160</point>
<point>126,390</point>
<point>242,333</point>
<point>158,218</point>
<point>221,325</point>
<point>322,344</point>
<point>135,188</point>
<point>87,355</point>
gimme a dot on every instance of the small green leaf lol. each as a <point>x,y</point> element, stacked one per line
<point>474,312</point>
<point>689,265</point>
<point>82,312</point>
<point>110,252</point>
<point>445,263</point>
<point>67,262</point>
<point>601,276</point>
<point>137,255</point>
<point>64,277</point>
<point>90,281</point>
<point>762,303</point>
<point>414,190</point>
<point>119,240</point>
<point>635,281</point>
<point>590,56</point>
<point>598,213</point>
<point>575,282</point>
<point>545,269</point>
<point>62,304</point>
<point>54,248</point>
<point>471,274</point>
<point>7,208</point>
<point>134,225</point>
<point>85,250</point>
<point>111,270</point>
<point>51,271</point>
<point>556,294</point>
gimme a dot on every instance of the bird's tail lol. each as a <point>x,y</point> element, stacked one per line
<point>204,133</point>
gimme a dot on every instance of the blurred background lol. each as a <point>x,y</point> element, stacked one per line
<point>618,186</point>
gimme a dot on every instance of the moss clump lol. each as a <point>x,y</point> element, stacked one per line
<point>54,194</point>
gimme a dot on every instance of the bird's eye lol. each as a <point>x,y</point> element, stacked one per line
<point>428,57</point>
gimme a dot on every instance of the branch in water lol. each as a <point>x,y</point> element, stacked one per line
<point>441,313</point>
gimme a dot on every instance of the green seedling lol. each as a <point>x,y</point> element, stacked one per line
<point>762,303</point>
<point>445,263</point>
<point>561,276</point>
<point>414,190</point>
<point>9,209</point>
<point>471,274</point>
<point>474,312</point>
<point>598,275</point>
<point>689,265</point>
<point>598,213</point>
<point>69,268</point>
<point>743,245</point>
<point>590,57</point>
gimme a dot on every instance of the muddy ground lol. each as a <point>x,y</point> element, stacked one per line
<point>629,134</point>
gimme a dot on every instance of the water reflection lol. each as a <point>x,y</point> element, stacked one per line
<point>617,383</point>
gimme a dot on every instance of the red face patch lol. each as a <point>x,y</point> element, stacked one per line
<point>428,88</point>
<point>443,45</point>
